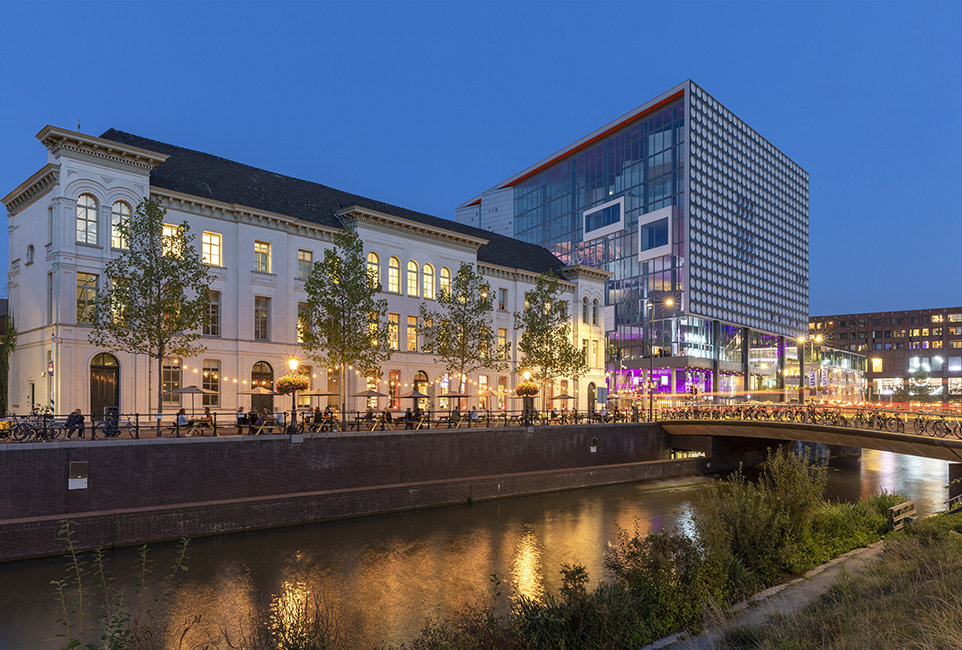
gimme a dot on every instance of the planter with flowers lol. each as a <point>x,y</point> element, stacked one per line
<point>291,383</point>
<point>526,389</point>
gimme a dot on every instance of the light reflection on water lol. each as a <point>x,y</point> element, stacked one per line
<point>383,576</point>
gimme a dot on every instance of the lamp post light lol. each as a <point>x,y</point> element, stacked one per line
<point>528,401</point>
<point>292,428</point>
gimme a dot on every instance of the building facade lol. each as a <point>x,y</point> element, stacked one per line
<point>897,344</point>
<point>703,225</point>
<point>260,233</point>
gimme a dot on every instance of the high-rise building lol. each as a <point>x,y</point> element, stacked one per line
<point>703,224</point>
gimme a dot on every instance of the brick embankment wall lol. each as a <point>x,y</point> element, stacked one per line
<point>149,490</point>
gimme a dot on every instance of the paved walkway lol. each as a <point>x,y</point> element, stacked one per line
<point>788,597</point>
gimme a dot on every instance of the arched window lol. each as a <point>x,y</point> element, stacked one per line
<point>445,279</point>
<point>594,312</point>
<point>421,386</point>
<point>428,281</point>
<point>87,219</point>
<point>412,278</point>
<point>584,310</point>
<point>119,213</point>
<point>374,268</point>
<point>262,376</point>
<point>394,275</point>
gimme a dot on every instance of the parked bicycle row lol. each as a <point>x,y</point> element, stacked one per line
<point>930,424</point>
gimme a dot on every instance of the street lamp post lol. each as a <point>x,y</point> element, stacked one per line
<point>528,402</point>
<point>292,428</point>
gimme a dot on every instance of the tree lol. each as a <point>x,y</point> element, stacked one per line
<point>915,388</point>
<point>461,332</point>
<point>546,346</point>
<point>7,342</point>
<point>343,323</point>
<point>156,292</point>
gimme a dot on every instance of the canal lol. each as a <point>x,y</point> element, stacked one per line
<point>382,577</point>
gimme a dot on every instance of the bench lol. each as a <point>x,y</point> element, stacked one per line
<point>900,514</point>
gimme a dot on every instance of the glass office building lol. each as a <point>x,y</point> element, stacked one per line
<point>704,225</point>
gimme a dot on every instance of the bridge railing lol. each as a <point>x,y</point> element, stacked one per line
<point>877,419</point>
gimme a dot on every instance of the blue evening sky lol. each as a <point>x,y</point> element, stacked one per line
<point>428,104</point>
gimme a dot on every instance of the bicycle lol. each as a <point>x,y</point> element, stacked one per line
<point>112,427</point>
<point>39,426</point>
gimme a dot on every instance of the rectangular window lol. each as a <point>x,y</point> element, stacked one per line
<point>925,331</point>
<point>304,401</point>
<point>210,248</point>
<point>841,323</point>
<point>955,331</point>
<point>262,319</point>
<point>171,380</point>
<point>955,364</point>
<point>502,390</point>
<point>301,313</point>
<point>899,321</point>
<point>594,354</point>
<point>914,332</point>
<point>876,365</point>
<point>955,318</point>
<point>392,330</point>
<point>898,334</point>
<point>394,276</point>
<point>412,279</point>
<point>888,321</point>
<point>843,336</point>
<point>654,234</point>
<point>211,381</point>
<point>913,320</point>
<point>936,331</point>
<point>86,297</point>
<point>170,235</point>
<point>412,334</point>
<point>936,344</point>
<point>913,345</point>
<point>483,386</point>
<point>262,256</point>
<point>876,322</point>
<point>394,389</point>
<point>212,320</point>
<point>503,342</point>
<point>878,346</point>
<point>305,260</point>
<point>502,299</point>
<point>925,319</point>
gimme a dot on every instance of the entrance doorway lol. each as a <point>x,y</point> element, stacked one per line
<point>591,397</point>
<point>262,375</point>
<point>104,385</point>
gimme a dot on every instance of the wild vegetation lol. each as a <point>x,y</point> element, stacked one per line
<point>909,599</point>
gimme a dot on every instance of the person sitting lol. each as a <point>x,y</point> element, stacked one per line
<point>408,419</point>
<point>182,420</point>
<point>75,421</point>
<point>369,415</point>
<point>554,413</point>
<point>474,415</point>
<point>317,419</point>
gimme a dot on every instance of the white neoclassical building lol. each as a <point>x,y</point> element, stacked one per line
<point>259,232</point>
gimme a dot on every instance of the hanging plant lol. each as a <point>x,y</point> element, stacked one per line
<point>526,389</point>
<point>290,383</point>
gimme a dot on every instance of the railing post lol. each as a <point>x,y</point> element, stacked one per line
<point>137,425</point>
<point>214,418</point>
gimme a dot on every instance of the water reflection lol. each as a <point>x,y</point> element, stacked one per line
<point>382,577</point>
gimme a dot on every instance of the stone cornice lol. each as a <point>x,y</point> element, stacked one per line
<point>518,275</point>
<point>356,215</point>
<point>581,269</point>
<point>71,144</point>
<point>32,188</point>
<point>232,212</point>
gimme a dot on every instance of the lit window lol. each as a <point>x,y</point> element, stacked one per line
<point>502,299</point>
<point>428,281</point>
<point>445,284</point>
<point>412,278</point>
<point>86,297</point>
<point>393,321</point>
<point>301,318</point>
<point>374,268</point>
<point>210,248</point>
<point>120,213</point>
<point>412,337</point>
<point>503,343</point>
<point>211,381</point>
<point>171,381</point>
<point>305,260</point>
<point>87,219</point>
<point>394,275</point>
<point>262,256</point>
<point>876,365</point>
<point>171,233</point>
<point>212,320</point>
<point>262,319</point>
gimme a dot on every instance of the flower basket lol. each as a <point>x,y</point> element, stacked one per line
<point>526,389</point>
<point>290,383</point>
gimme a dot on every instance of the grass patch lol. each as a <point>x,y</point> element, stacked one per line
<point>909,599</point>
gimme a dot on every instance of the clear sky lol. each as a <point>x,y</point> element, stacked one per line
<point>425,105</point>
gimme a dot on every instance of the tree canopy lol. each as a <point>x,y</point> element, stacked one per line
<point>156,294</point>
<point>546,346</point>
<point>344,324</point>
<point>461,331</point>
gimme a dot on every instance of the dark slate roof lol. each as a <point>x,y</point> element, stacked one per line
<point>211,177</point>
